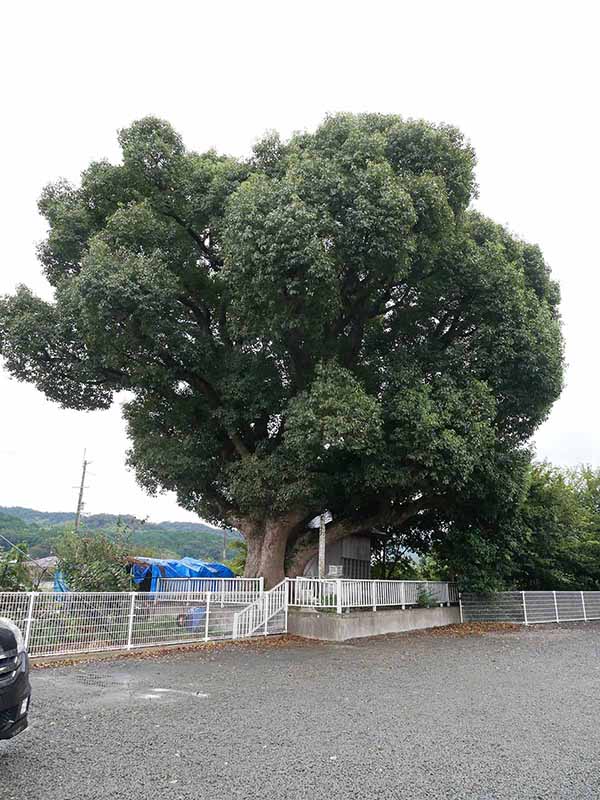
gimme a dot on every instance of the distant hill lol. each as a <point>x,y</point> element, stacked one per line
<point>45,518</point>
<point>40,529</point>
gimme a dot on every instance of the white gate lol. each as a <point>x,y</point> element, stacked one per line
<point>267,614</point>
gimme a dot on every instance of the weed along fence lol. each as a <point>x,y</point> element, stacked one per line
<point>342,595</point>
<point>195,610</point>
<point>531,608</point>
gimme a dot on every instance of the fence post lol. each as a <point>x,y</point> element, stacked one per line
<point>261,585</point>
<point>29,619</point>
<point>338,596</point>
<point>583,607</point>
<point>524,608</point>
<point>222,592</point>
<point>265,611</point>
<point>403,595</point>
<point>555,607</point>
<point>373,598</point>
<point>460,608</point>
<point>287,603</point>
<point>207,616</point>
<point>234,632</point>
<point>130,625</point>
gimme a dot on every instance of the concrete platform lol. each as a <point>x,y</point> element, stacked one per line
<point>357,624</point>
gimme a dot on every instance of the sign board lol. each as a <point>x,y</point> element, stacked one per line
<point>316,521</point>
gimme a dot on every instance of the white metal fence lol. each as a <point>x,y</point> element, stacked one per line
<point>78,622</point>
<point>229,590</point>
<point>340,594</point>
<point>531,607</point>
<point>81,622</point>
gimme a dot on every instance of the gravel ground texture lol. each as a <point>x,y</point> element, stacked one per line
<point>506,714</point>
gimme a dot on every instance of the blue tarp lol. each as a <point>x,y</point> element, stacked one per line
<point>181,568</point>
<point>59,582</point>
<point>164,568</point>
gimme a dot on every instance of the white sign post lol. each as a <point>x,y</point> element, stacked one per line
<point>322,546</point>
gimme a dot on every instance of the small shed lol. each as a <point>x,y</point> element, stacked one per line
<point>352,554</point>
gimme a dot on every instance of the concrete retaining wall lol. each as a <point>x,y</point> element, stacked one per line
<point>357,624</point>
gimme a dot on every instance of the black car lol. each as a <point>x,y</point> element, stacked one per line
<point>15,689</point>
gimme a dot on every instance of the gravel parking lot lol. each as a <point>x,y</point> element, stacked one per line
<point>429,715</point>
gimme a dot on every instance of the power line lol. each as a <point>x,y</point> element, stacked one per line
<point>18,549</point>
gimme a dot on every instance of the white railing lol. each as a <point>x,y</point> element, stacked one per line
<point>234,591</point>
<point>81,622</point>
<point>267,614</point>
<point>531,607</point>
<point>340,594</point>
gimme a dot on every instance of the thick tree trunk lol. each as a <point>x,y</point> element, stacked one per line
<point>302,554</point>
<point>254,542</point>
<point>267,543</point>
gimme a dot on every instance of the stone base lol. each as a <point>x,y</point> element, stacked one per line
<point>357,624</point>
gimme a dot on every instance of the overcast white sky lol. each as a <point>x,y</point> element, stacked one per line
<point>520,79</point>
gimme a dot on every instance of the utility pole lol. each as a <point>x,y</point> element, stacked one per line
<point>224,545</point>
<point>80,503</point>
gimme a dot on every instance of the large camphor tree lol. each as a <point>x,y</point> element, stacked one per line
<point>325,325</point>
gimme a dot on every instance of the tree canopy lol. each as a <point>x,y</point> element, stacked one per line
<point>326,324</point>
<point>549,540</point>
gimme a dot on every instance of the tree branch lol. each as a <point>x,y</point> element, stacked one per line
<point>211,394</point>
<point>208,252</point>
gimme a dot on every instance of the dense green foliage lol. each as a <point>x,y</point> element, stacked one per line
<point>237,557</point>
<point>558,535</point>
<point>93,563</point>
<point>16,530</point>
<point>550,540</point>
<point>40,530</point>
<point>327,324</point>
<point>14,576</point>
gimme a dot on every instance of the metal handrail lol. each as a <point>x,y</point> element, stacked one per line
<point>256,616</point>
